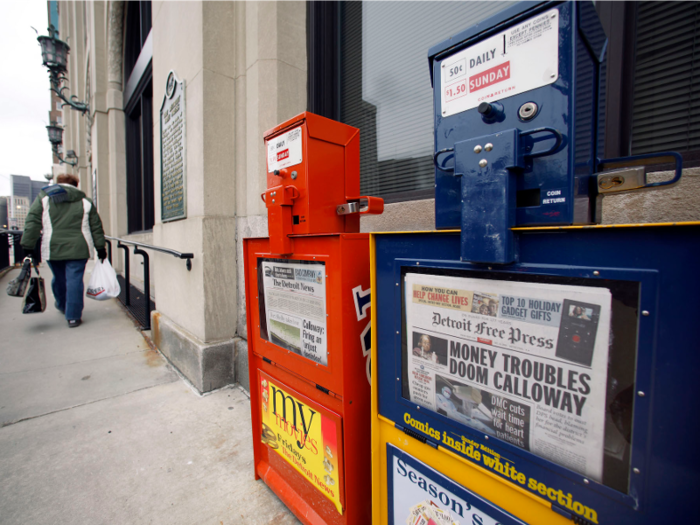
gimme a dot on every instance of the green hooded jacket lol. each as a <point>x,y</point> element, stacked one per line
<point>69,222</point>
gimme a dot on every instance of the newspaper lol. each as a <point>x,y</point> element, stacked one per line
<point>295,308</point>
<point>523,362</point>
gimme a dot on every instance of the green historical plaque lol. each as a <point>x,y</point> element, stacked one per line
<point>173,165</point>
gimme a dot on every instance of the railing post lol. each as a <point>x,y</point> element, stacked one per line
<point>127,299</point>
<point>19,251</point>
<point>146,286</point>
<point>109,251</point>
<point>4,251</point>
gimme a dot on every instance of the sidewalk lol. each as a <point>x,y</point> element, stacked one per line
<point>96,427</point>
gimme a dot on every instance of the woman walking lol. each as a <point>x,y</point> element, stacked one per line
<point>71,230</point>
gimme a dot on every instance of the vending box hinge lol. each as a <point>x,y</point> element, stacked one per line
<point>324,390</point>
<point>267,360</point>
<point>415,435</point>
<point>578,520</point>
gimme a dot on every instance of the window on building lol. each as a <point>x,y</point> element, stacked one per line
<point>138,110</point>
<point>652,94</point>
<point>368,68</point>
<point>373,57</point>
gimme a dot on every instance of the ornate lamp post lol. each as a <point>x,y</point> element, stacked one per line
<point>54,53</point>
<point>55,134</point>
<point>56,138</point>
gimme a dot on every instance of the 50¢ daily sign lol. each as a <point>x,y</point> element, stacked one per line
<point>520,59</point>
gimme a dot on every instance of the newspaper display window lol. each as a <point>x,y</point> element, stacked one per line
<point>292,298</point>
<point>543,363</point>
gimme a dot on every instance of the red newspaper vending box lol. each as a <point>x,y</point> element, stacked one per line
<point>307,299</point>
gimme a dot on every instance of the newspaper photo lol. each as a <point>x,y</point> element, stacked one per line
<point>295,308</point>
<point>522,362</point>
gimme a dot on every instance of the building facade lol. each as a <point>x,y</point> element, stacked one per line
<point>248,66</point>
<point>19,210</point>
<point>24,191</point>
<point>4,217</point>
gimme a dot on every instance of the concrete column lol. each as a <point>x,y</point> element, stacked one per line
<point>273,82</point>
<point>193,324</point>
<point>244,66</point>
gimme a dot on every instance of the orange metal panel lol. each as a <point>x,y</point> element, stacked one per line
<point>313,167</point>
<point>346,259</point>
<point>328,175</point>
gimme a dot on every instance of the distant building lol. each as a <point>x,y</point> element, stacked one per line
<point>24,191</point>
<point>4,218</point>
<point>36,188</point>
<point>21,186</point>
<point>18,211</point>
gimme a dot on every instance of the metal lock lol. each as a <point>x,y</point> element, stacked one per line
<point>625,179</point>
<point>609,182</point>
<point>527,111</point>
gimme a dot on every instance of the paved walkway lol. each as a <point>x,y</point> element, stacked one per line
<point>96,428</point>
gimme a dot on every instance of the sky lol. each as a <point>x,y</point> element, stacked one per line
<point>24,92</point>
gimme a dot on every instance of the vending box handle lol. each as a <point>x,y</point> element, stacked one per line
<point>437,165</point>
<point>543,153</point>
<point>280,195</point>
<point>375,205</point>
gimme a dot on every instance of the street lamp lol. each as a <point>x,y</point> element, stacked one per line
<point>54,54</point>
<point>55,134</point>
<point>56,138</point>
<point>49,176</point>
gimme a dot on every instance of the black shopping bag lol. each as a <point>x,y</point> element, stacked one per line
<point>17,286</point>
<point>35,300</point>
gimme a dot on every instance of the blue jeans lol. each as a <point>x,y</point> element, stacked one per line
<point>67,286</point>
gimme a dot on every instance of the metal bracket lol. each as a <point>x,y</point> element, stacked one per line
<point>364,206</point>
<point>415,435</point>
<point>633,176</point>
<point>348,208</point>
<point>624,179</point>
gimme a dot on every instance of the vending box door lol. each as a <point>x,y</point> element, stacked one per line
<point>557,374</point>
<point>305,315</point>
<point>304,434</point>
<point>337,314</point>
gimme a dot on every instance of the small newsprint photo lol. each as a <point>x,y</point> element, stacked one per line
<point>522,362</point>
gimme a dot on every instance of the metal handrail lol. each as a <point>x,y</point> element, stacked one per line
<point>175,253</point>
<point>122,243</point>
<point>19,250</point>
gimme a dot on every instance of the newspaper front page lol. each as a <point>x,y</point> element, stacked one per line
<point>523,362</point>
<point>295,308</point>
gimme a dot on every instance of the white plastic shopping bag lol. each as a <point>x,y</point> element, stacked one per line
<point>103,282</point>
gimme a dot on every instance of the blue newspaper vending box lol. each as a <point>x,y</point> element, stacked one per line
<point>542,363</point>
